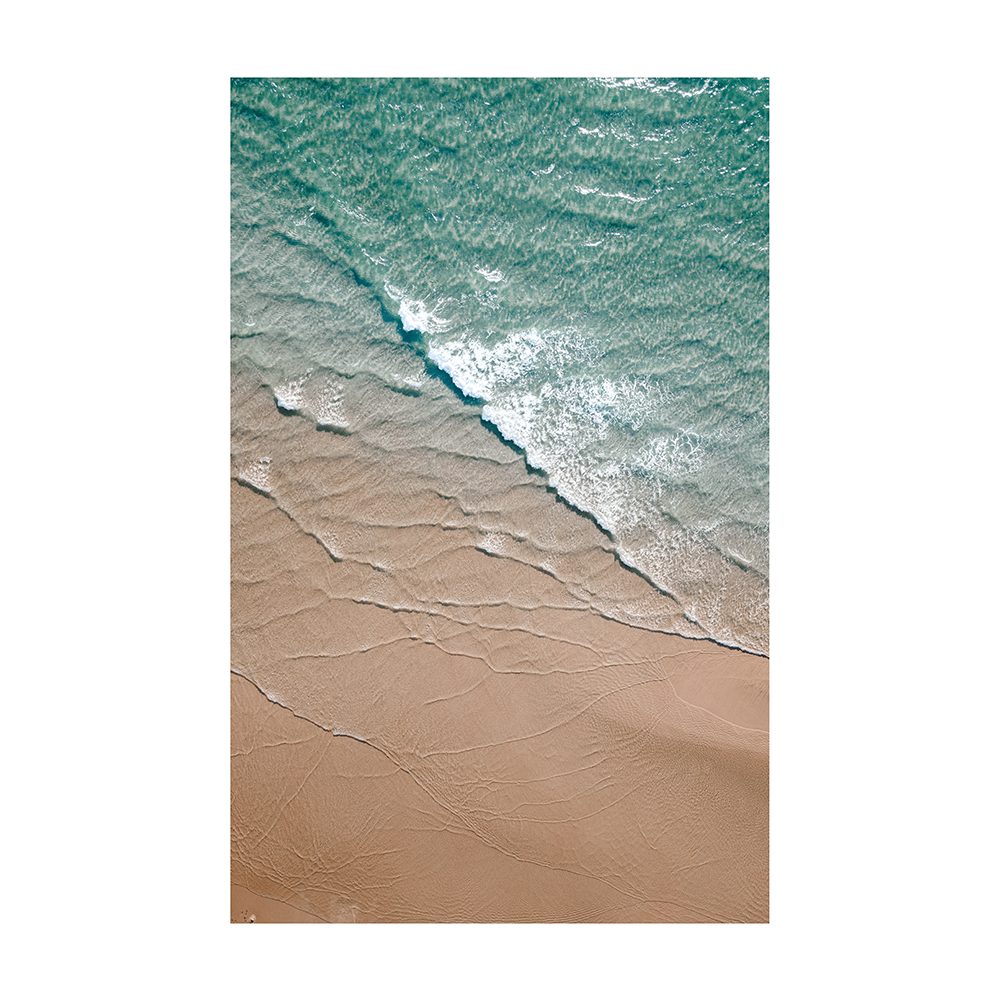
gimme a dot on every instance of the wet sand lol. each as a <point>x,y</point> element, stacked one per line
<point>451,703</point>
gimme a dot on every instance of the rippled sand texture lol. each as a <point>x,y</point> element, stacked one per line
<point>452,703</point>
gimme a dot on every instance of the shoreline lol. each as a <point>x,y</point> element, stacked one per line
<point>527,743</point>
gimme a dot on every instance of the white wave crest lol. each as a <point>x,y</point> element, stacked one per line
<point>415,314</point>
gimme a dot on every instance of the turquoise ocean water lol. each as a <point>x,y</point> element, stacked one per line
<point>584,262</point>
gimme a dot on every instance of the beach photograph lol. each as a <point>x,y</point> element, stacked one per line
<point>499,500</point>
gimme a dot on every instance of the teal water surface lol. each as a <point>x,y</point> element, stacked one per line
<point>584,261</point>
